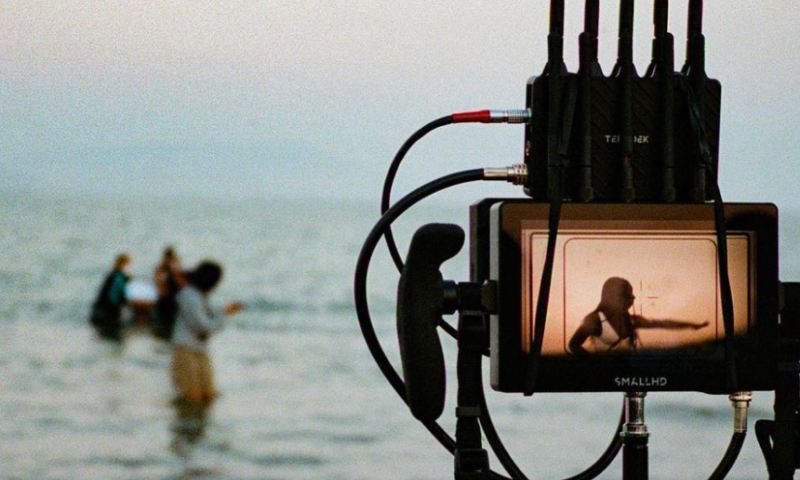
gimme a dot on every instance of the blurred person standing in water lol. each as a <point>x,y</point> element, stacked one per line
<point>169,280</point>
<point>106,315</point>
<point>196,322</point>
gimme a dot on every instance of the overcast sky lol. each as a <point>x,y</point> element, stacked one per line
<point>312,98</point>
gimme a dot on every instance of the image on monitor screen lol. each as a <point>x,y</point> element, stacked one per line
<point>644,292</point>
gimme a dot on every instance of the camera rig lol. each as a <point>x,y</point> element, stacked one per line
<point>612,166</point>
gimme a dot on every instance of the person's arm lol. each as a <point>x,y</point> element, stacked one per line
<point>233,308</point>
<point>588,328</point>
<point>642,322</point>
<point>202,320</point>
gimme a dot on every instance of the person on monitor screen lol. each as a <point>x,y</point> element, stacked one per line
<point>106,314</point>
<point>196,321</point>
<point>169,280</point>
<point>612,328</point>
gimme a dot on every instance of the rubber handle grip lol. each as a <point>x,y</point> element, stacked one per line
<point>420,304</point>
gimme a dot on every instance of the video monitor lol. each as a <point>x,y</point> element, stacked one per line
<point>635,299</point>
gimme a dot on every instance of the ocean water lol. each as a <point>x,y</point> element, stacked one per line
<point>301,396</point>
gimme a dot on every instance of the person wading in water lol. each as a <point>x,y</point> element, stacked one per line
<point>169,280</point>
<point>106,314</point>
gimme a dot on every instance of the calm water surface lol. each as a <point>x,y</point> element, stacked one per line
<point>302,398</point>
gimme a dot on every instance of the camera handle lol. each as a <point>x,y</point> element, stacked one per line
<point>423,296</point>
<point>420,305</point>
<point>634,438</point>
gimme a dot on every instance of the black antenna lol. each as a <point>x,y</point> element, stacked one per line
<point>661,17</point>
<point>660,23</point>
<point>555,65</point>
<point>664,66</point>
<point>626,72</point>
<point>695,68</point>
<point>693,30</point>
<point>555,68</point>
<point>589,67</point>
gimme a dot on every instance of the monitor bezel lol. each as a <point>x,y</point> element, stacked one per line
<point>497,227</point>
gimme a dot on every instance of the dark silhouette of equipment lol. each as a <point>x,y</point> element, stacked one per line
<point>592,138</point>
<point>420,306</point>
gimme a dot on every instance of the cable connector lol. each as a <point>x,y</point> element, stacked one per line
<point>740,402</point>
<point>516,174</point>
<point>494,116</point>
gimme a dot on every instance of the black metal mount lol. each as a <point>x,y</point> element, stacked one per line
<point>780,438</point>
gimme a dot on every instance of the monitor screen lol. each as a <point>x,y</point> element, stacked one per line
<point>642,292</point>
<point>635,294</point>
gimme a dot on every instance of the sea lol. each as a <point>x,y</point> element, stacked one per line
<point>301,397</point>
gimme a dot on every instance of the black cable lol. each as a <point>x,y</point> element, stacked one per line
<point>725,283</point>
<point>543,300</point>
<point>706,159</point>
<point>450,330</point>
<point>725,465</point>
<point>365,322</point>
<point>704,153</point>
<point>386,197</point>
<point>383,228</point>
<point>607,457</point>
<point>555,190</point>
<point>764,432</point>
<point>360,289</point>
<point>499,449</point>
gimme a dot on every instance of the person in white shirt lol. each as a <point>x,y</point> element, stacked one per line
<point>612,328</point>
<point>192,373</point>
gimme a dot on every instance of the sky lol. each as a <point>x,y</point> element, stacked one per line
<point>312,98</point>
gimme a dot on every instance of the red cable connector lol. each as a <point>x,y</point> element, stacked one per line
<point>493,116</point>
<point>481,116</point>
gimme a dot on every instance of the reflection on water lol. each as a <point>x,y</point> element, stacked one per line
<point>189,426</point>
<point>188,432</point>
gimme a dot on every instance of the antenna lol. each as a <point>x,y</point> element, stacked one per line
<point>626,71</point>
<point>555,65</point>
<point>695,69</point>
<point>695,66</point>
<point>660,23</point>
<point>589,67</point>
<point>693,31</point>
<point>664,66</point>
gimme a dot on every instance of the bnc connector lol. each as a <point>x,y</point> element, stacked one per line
<point>515,174</point>
<point>740,402</point>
